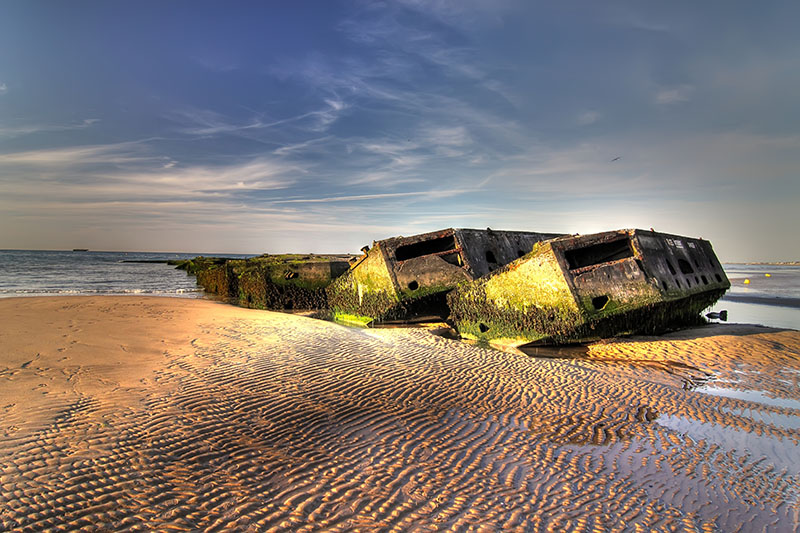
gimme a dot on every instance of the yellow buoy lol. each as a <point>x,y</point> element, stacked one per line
<point>747,282</point>
<point>768,275</point>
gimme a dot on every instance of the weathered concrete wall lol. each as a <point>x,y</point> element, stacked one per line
<point>580,287</point>
<point>280,282</point>
<point>487,250</point>
<point>404,277</point>
<point>365,292</point>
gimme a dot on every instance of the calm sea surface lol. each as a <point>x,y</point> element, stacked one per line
<point>771,300</point>
<point>43,273</point>
<point>762,294</point>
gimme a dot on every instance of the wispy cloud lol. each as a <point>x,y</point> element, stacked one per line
<point>3,88</point>
<point>303,147</point>
<point>118,153</point>
<point>135,170</point>
<point>432,194</point>
<point>462,13</point>
<point>208,123</point>
<point>589,117</point>
<point>10,131</point>
<point>323,118</point>
<point>673,95</point>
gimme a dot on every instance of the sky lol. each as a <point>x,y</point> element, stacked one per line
<point>238,127</point>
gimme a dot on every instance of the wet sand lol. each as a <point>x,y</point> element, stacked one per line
<point>182,415</point>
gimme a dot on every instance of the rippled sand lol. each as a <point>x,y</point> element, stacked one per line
<point>181,415</point>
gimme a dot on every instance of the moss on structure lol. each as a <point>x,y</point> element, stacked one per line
<point>352,320</point>
<point>366,291</point>
<point>369,292</point>
<point>350,296</point>
<point>529,300</point>
<point>288,281</point>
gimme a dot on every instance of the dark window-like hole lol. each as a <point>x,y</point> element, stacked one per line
<point>665,285</point>
<point>520,253</point>
<point>678,282</point>
<point>453,259</point>
<point>719,278</point>
<point>671,268</point>
<point>413,285</point>
<point>685,266</point>
<point>490,258</point>
<point>688,282</point>
<point>483,327</point>
<point>599,302</point>
<point>598,253</point>
<point>697,280</point>
<point>705,280</point>
<point>418,249</point>
<point>288,305</point>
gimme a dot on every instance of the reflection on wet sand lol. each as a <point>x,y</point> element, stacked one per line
<point>260,421</point>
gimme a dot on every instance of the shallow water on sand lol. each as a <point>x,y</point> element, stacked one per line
<point>762,294</point>
<point>282,423</point>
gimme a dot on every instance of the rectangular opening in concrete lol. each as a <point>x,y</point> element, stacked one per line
<point>598,253</point>
<point>432,246</point>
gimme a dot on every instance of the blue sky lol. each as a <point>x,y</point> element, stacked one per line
<point>320,126</point>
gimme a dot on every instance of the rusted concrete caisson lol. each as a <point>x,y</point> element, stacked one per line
<point>404,278</point>
<point>278,282</point>
<point>579,288</point>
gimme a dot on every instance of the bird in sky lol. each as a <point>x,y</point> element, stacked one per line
<point>616,158</point>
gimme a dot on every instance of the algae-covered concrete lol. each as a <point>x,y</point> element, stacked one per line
<point>404,278</point>
<point>578,288</point>
<point>278,282</point>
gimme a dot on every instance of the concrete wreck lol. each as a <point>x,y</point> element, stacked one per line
<point>277,282</point>
<point>585,287</point>
<point>407,278</point>
<point>508,288</point>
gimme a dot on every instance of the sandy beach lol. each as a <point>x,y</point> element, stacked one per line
<point>134,413</point>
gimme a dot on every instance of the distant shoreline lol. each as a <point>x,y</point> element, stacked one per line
<point>778,263</point>
<point>763,300</point>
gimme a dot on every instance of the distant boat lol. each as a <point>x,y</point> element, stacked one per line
<point>80,249</point>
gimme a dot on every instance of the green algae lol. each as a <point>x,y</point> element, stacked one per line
<point>370,291</point>
<point>278,282</point>
<point>352,320</point>
<point>530,300</point>
<point>366,291</point>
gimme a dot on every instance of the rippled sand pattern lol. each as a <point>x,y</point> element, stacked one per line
<point>269,422</point>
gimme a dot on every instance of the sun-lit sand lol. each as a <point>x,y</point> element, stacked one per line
<point>183,415</point>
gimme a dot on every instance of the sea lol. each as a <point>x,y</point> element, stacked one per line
<point>60,273</point>
<point>760,294</point>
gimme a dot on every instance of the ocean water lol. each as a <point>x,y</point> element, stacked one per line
<point>772,300</point>
<point>51,273</point>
